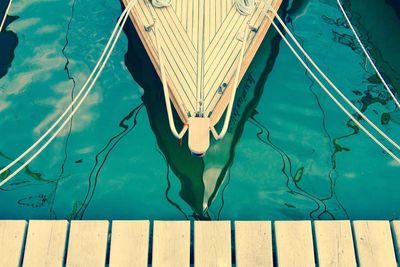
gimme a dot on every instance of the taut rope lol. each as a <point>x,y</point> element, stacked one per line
<point>368,55</point>
<point>245,7</point>
<point>5,15</point>
<point>336,89</point>
<point>161,3</point>
<point>98,68</point>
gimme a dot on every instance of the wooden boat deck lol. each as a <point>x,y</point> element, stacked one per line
<point>261,243</point>
<point>201,47</point>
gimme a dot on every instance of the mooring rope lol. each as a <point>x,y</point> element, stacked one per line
<point>368,55</point>
<point>330,81</point>
<point>5,15</point>
<point>328,92</point>
<point>101,63</point>
<point>161,3</point>
<point>245,7</point>
<point>164,83</point>
<point>235,86</point>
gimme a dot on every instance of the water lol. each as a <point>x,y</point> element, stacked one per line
<point>290,152</point>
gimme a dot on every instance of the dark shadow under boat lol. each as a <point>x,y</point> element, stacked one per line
<point>201,178</point>
<point>8,42</point>
<point>381,35</point>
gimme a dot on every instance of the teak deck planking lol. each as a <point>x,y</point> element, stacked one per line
<point>201,44</point>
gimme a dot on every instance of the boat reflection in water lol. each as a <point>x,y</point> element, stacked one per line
<point>8,41</point>
<point>200,178</point>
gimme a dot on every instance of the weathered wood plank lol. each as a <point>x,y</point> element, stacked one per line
<point>334,243</point>
<point>212,243</point>
<point>45,243</point>
<point>396,237</point>
<point>129,243</point>
<point>253,244</point>
<point>171,244</point>
<point>12,235</point>
<point>374,243</point>
<point>294,243</point>
<point>87,244</point>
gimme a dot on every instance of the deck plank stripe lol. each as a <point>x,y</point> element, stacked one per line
<point>218,13</point>
<point>224,71</point>
<point>226,27</point>
<point>212,243</point>
<point>172,28</point>
<point>182,33</point>
<point>45,243</point>
<point>171,244</point>
<point>253,244</point>
<point>228,77</point>
<point>176,53</point>
<point>129,243</point>
<point>172,63</point>
<point>184,14</point>
<point>175,73</point>
<point>142,12</point>
<point>12,235</point>
<point>200,55</point>
<point>334,242</point>
<point>196,23</point>
<point>374,243</point>
<point>189,28</point>
<point>212,18</point>
<point>294,244</point>
<point>169,70</point>
<point>87,244</point>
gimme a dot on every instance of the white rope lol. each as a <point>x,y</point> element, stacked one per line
<point>166,90</point>
<point>161,3</point>
<point>331,96</point>
<point>101,62</point>
<point>235,85</point>
<point>245,7</point>
<point>330,81</point>
<point>5,15</point>
<point>368,55</point>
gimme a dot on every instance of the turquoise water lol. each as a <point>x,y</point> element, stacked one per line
<point>290,152</point>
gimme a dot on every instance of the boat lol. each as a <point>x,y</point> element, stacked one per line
<point>201,51</point>
<point>201,179</point>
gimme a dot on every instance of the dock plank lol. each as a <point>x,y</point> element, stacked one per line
<point>12,235</point>
<point>212,243</point>
<point>253,244</point>
<point>334,242</point>
<point>129,243</point>
<point>294,243</point>
<point>45,243</point>
<point>171,244</point>
<point>87,244</point>
<point>374,243</point>
<point>396,237</point>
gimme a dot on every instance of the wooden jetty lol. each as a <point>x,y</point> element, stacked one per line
<point>202,243</point>
<point>201,43</point>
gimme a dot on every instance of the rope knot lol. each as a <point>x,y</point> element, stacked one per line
<point>161,3</point>
<point>245,7</point>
